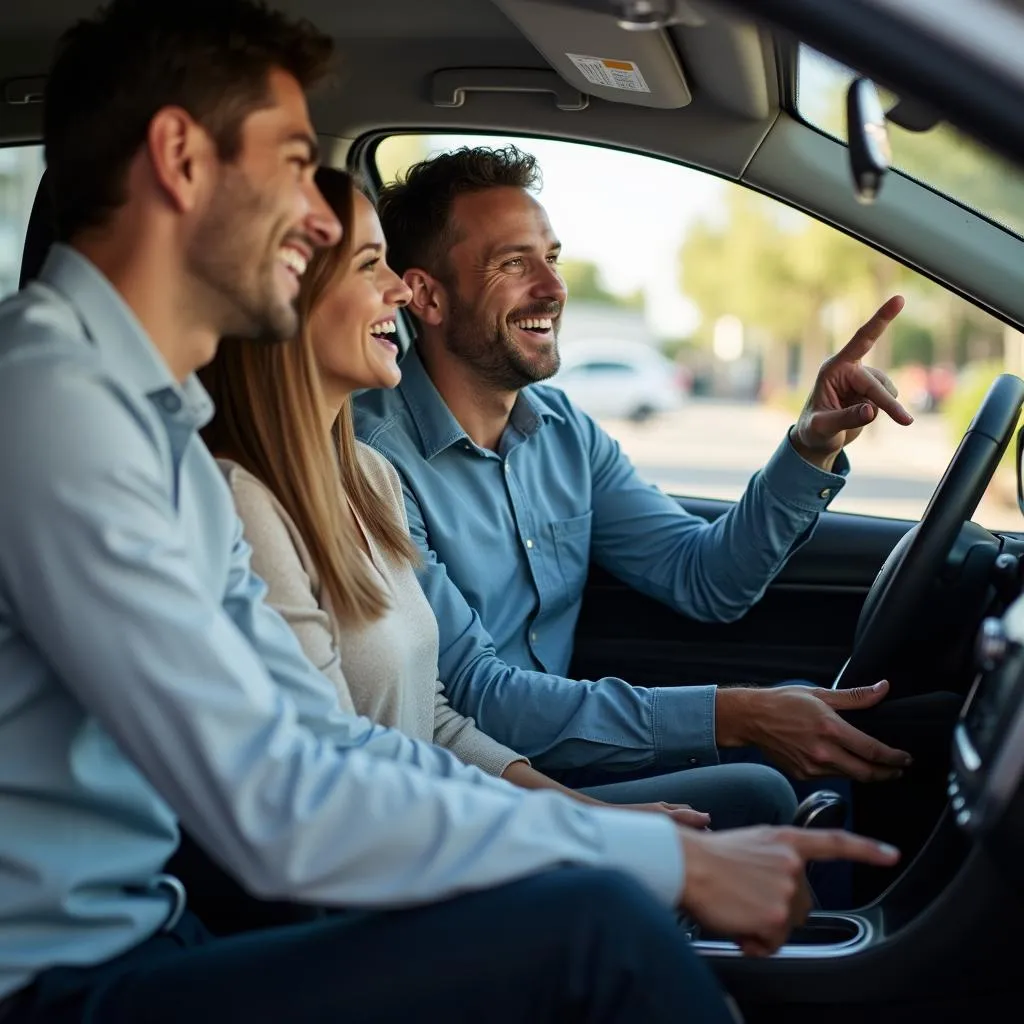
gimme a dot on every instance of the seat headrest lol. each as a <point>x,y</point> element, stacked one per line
<point>41,233</point>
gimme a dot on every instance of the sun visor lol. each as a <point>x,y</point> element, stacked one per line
<point>590,51</point>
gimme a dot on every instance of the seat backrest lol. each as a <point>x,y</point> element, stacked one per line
<point>41,232</point>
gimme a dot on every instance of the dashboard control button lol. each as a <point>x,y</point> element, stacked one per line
<point>992,645</point>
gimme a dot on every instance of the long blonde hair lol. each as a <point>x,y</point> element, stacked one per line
<point>270,419</point>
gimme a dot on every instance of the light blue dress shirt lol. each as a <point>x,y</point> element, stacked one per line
<point>508,538</point>
<point>144,681</point>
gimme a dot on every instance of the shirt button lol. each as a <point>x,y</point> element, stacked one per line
<point>529,543</point>
<point>825,492</point>
<point>693,761</point>
<point>533,638</point>
<point>171,402</point>
<point>507,466</point>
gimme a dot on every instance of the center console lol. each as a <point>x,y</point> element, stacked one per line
<point>951,922</point>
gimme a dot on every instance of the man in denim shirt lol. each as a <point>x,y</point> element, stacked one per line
<point>512,491</point>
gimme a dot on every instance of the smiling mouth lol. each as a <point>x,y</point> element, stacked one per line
<point>386,332</point>
<point>294,261</point>
<point>541,326</point>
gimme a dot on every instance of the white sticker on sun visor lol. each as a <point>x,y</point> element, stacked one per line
<point>615,74</point>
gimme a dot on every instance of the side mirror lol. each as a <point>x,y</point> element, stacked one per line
<point>870,153</point>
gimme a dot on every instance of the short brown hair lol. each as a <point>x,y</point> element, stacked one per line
<point>114,71</point>
<point>415,211</point>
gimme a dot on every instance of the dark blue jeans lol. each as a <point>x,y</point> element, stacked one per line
<point>571,945</point>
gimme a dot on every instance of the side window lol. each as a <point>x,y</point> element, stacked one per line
<point>700,311</point>
<point>20,170</point>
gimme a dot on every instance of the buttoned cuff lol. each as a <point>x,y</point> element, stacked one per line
<point>794,481</point>
<point>646,846</point>
<point>683,719</point>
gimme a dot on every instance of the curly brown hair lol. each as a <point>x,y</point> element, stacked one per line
<point>415,211</point>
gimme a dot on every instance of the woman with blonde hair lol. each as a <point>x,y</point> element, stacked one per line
<point>325,517</point>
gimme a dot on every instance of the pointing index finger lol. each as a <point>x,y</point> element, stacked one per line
<point>860,344</point>
<point>835,844</point>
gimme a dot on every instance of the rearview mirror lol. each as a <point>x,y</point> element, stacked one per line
<point>870,153</point>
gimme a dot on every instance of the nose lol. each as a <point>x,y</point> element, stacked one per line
<point>397,293</point>
<point>549,285</point>
<point>321,223</point>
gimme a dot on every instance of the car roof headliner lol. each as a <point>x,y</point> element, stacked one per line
<point>389,49</point>
<point>395,19</point>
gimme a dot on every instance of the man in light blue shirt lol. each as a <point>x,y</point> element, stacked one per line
<point>145,682</point>
<point>512,491</point>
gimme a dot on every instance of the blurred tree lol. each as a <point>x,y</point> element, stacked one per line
<point>583,279</point>
<point>790,279</point>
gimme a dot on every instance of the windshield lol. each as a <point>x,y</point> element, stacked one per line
<point>941,157</point>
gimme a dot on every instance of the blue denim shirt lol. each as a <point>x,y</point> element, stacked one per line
<point>143,681</point>
<point>508,537</point>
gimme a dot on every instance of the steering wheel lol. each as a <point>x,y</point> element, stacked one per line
<point>908,572</point>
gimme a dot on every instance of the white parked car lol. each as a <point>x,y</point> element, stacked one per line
<point>621,380</point>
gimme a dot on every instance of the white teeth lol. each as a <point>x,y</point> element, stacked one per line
<point>294,260</point>
<point>534,324</point>
<point>386,327</point>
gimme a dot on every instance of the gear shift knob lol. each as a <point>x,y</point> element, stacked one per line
<point>822,809</point>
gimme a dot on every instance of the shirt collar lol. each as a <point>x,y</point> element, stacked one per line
<point>113,328</point>
<point>439,429</point>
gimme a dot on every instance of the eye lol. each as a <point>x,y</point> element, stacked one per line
<point>371,263</point>
<point>555,258</point>
<point>514,264</point>
<point>303,161</point>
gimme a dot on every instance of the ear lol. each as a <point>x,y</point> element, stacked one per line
<point>429,300</point>
<point>183,157</point>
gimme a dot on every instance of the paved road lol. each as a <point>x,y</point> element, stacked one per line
<point>712,448</point>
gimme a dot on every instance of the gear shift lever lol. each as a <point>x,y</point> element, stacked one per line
<point>822,809</point>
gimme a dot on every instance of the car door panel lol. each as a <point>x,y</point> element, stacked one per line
<point>803,627</point>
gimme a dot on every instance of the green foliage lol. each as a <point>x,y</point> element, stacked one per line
<point>583,280</point>
<point>960,407</point>
<point>789,278</point>
<point>793,280</point>
<point>912,342</point>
